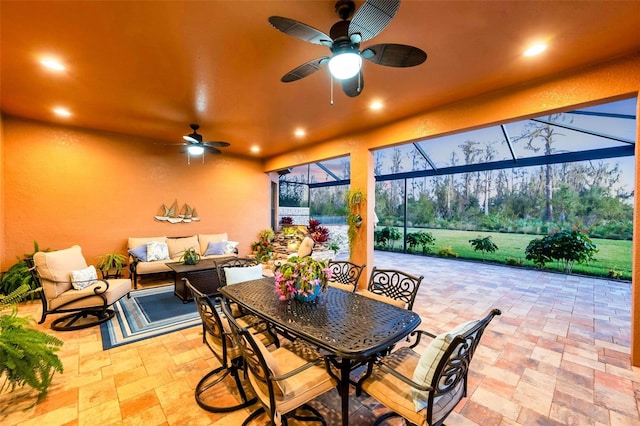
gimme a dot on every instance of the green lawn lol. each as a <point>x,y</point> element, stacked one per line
<point>613,255</point>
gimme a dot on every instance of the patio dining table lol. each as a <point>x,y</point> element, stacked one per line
<point>350,327</point>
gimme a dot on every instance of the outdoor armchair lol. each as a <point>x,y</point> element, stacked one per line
<point>345,274</point>
<point>393,286</point>
<point>424,388</point>
<point>285,379</point>
<point>71,287</point>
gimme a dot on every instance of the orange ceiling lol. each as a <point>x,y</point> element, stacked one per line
<point>151,68</point>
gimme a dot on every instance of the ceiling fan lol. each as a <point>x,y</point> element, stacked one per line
<point>195,145</point>
<point>345,62</point>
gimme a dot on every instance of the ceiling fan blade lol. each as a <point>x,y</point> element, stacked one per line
<point>305,70</point>
<point>218,144</point>
<point>394,55</point>
<point>299,30</point>
<point>372,17</point>
<point>212,150</point>
<point>352,87</point>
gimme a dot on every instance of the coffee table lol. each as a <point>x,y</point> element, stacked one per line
<point>202,275</point>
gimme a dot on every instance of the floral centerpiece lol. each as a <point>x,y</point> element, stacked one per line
<point>302,278</point>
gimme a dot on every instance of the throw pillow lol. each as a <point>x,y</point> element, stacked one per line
<point>83,278</point>
<point>429,362</point>
<point>240,274</point>
<point>231,246</point>
<point>139,252</point>
<point>216,248</point>
<point>157,251</point>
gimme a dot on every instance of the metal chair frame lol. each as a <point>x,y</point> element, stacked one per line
<point>395,284</point>
<point>345,272</point>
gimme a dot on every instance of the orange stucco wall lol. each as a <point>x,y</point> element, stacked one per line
<point>65,186</point>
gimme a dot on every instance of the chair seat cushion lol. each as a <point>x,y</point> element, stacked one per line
<point>345,287</point>
<point>118,288</point>
<point>381,298</point>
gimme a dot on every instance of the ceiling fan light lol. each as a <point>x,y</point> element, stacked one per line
<point>345,65</point>
<point>195,150</point>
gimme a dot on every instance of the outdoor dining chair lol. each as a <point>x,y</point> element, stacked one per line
<point>285,379</point>
<point>393,286</point>
<point>345,274</point>
<point>216,334</point>
<point>424,388</point>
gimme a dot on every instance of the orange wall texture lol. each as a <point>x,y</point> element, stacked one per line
<point>67,186</point>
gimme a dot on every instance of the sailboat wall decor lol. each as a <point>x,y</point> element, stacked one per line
<point>186,214</point>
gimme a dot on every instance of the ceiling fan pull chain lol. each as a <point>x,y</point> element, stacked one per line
<point>331,84</point>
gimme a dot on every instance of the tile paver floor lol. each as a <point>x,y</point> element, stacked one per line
<point>558,355</point>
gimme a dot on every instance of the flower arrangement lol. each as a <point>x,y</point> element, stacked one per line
<point>263,248</point>
<point>302,277</point>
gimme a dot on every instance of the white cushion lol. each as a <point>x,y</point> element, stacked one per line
<point>429,361</point>
<point>157,251</point>
<point>231,245</point>
<point>240,274</point>
<point>82,278</point>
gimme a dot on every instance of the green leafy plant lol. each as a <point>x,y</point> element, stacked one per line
<point>566,247</point>
<point>422,239</point>
<point>19,274</point>
<point>512,261</point>
<point>266,235</point>
<point>354,198</point>
<point>483,244</point>
<point>190,256</point>
<point>111,262</point>
<point>27,356</point>
<point>263,248</point>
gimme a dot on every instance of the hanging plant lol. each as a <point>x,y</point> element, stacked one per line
<point>354,198</point>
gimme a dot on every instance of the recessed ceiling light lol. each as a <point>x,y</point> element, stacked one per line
<point>255,148</point>
<point>62,112</point>
<point>52,64</point>
<point>376,105</point>
<point>535,49</point>
<point>299,133</point>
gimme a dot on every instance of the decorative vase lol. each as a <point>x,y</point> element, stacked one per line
<point>308,297</point>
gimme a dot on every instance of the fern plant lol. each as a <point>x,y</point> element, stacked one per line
<point>27,356</point>
<point>19,274</point>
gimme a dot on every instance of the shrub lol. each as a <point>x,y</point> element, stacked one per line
<point>485,245</point>
<point>447,252</point>
<point>286,220</point>
<point>565,247</point>
<point>513,261</point>
<point>320,234</point>
<point>422,239</point>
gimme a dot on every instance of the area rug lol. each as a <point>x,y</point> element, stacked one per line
<point>147,313</point>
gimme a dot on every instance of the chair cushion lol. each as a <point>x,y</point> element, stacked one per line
<point>306,247</point>
<point>118,288</point>
<point>385,299</point>
<point>82,278</point>
<point>431,357</point>
<point>157,251</point>
<point>205,239</point>
<point>345,287</point>
<point>240,274</point>
<point>177,246</point>
<point>55,268</point>
<point>216,247</point>
<point>139,252</point>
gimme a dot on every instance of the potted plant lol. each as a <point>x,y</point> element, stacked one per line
<point>111,265</point>
<point>19,274</point>
<point>27,356</point>
<point>302,278</point>
<point>353,198</point>
<point>190,256</point>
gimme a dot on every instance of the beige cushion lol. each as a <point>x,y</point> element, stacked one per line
<point>138,241</point>
<point>117,289</point>
<point>306,247</point>
<point>345,287</point>
<point>431,357</point>
<point>381,298</point>
<point>55,268</point>
<point>177,246</point>
<point>273,364</point>
<point>204,240</point>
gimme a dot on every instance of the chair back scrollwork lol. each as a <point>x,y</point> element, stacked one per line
<point>395,284</point>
